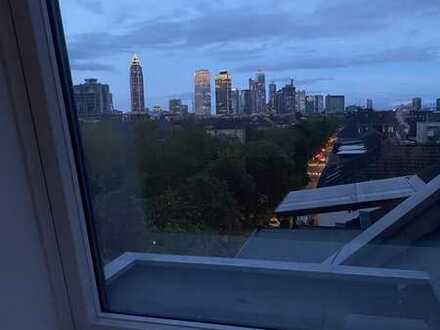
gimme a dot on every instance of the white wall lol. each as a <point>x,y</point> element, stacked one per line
<point>26,300</point>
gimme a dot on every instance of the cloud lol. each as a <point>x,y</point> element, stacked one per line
<point>183,96</point>
<point>377,9</point>
<point>229,53</point>
<point>230,28</point>
<point>91,66</point>
<point>312,81</point>
<point>308,81</point>
<point>94,6</point>
<point>390,56</point>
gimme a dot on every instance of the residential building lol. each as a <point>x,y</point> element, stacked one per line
<point>223,93</point>
<point>228,132</point>
<point>354,108</point>
<point>137,85</point>
<point>428,128</point>
<point>335,103</point>
<point>177,107</point>
<point>202,93</point>
<point>93,98</point>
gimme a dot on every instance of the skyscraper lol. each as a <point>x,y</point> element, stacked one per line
<point>253,95</point>
<point>245,102</point>
<point>314,104</point>
<point>417,103</point>
<point>310,104</point>
<point>319,103</point>
<point>334,103</point>
<point>92,98</point>
<point>286,99</point>
<point>438,105</point>
<point>272,96</point>
<point>258,91</point>
<point>235,100</point>
<point>202,93</point>
<point>137,85</point>
<point>260,80</point>
<point>369,104</point>
<point>223,93</point>
<point>300,101</point>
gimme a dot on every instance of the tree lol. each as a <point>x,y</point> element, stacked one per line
<point>202,203</point>
<point>272,169</point>
<point>174,177</point>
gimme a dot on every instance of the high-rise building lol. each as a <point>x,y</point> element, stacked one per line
<point>300,101</point>
<point>314,104</point>
<point>245,101</point>
<point>438,105</point>
<point>272,97</point>
<point>260,79</point>
<point>369,104</point>
<point>223,93</point>
<point>310,104</point>
<point>92,98</point>
<point>286,99</point>
<point>235,94</point>
<point>335,103</point>
<point>258,91</point>
<point>253,94</point>
<point>319,103</point>
<point>202,93</point>
<point>137,85</point>
<point>417,104</point>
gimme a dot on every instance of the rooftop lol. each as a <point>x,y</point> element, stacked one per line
<point>349,196</point>
<point>308,245</point>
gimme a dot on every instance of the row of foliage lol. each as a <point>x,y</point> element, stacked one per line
<point>177,178</point>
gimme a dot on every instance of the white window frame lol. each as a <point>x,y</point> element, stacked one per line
<point>28,54</point>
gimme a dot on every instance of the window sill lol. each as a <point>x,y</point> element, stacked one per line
<point>261,293</point>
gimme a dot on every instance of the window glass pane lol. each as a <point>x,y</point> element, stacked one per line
<point>263,163</point>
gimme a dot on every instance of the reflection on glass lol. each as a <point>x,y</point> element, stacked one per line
<point>263,164</point>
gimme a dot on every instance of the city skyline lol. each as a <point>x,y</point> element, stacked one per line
<point>363,64</point>
<point>259,97</point>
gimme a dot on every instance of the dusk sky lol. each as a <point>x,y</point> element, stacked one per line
<point>387,50</point>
